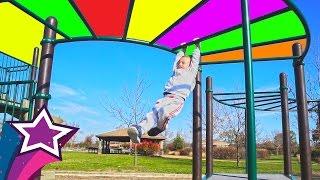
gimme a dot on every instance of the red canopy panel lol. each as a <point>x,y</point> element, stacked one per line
<point>105,17</point>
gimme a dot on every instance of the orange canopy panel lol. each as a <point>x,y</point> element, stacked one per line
<point>278,50</point>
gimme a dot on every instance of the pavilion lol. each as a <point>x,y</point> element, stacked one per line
<point>121,135</point>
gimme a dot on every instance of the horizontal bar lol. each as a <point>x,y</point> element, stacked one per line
<point>267,92</point>
<point>239,93</point>
<point>309,101</point>
<point>135,41</point>
<point>313,107</point>
<point>293,107</point>
<point>312,110</point>
<point>277,106</point>
<point>267,104</point>
<point>17,82</point>
<point>256,59</point>
<point>17,70</point>
<point>224,94</point>
<point>257,97</point>
<point>273,107</point>
<point>18,106</point>
<point>217,100</point>
<point>263,100</point>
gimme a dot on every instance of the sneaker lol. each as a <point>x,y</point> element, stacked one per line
<point>134,133</point>
<point>154,131</point>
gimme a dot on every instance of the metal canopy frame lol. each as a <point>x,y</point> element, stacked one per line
<point>262,99</point>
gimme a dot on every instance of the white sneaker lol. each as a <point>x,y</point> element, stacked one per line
<point>134,133</point>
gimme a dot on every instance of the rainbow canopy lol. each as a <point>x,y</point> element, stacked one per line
<point>275,25</point>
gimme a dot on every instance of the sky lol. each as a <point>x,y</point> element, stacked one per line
<point>85,74</point>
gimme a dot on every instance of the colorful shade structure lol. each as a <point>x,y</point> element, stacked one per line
<point>275,26</point>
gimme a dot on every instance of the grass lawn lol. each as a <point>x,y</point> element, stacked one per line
<point>78,161</point>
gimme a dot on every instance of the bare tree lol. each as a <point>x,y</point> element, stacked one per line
<point>228,125</point>
<point>234,129</point>
<point>217,119</point>
<point>217,122</point>
<point>219,111</point>
<point>277,141</point>
<point>313,87</point>
<point>316,135</point>
<point>313,91</point>
<point>168,134</point>
<point>88,141</point>
<point>72,142</point>
<point>129,108</point>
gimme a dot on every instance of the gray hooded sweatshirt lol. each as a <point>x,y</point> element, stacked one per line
<point>182,81</point>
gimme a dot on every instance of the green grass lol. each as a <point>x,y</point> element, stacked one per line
<point>77,161</point>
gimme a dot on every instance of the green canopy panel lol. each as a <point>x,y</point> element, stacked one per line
<point>165,24</point>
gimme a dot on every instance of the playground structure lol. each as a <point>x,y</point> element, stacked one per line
<point>265,101</point>
<point>291,42</point>
<point>16,88</point>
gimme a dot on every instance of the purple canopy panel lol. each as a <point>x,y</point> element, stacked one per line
<point>216,16</point>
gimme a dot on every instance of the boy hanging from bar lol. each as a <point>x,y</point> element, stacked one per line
<point>176,90</point>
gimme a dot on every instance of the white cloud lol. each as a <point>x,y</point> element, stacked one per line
<point>268,88</point>
<point>72,108</point>
<point>265,114</point>
<point>61,91</point>
<point>91,121</point>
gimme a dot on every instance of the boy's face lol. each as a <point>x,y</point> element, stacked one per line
<point>183,62</point>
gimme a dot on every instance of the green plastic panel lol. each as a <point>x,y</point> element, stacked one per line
<point>68,20</point>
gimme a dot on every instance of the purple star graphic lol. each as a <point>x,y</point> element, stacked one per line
<point>37,135</point>
<point>42,133</point>
<point>42,141</point>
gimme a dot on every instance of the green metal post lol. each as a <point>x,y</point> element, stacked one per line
<point>251,133</point>
<point>33,75</point>
<point>209,128</point>
<point>30,112</point>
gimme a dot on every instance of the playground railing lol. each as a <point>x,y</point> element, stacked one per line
<point>16,90</point>
<point>16,99</point>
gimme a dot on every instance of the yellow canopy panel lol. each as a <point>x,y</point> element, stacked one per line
<point>150,18</point>
<point>22,33</point>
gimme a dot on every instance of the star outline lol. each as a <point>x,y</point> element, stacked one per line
<point>43,113</point>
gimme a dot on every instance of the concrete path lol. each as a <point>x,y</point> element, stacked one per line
<point>69,175</point>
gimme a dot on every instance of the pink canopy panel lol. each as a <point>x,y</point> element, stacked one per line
<point>216,16</point>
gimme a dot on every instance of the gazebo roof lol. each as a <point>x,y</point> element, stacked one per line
<point>122,133</point>
<point>275,25</point>
<point>58,120</point>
